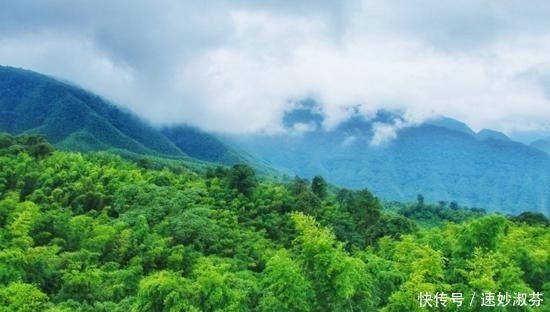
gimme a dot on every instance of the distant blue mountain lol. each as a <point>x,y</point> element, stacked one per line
<point>487,134</point>
<point>542,144</point>
<point>451,124</point>
<point>442,159</point>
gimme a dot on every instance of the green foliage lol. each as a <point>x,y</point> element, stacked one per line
<point>243,179</point>
<point>532,218</point>
<point>22,297</point>
<point>163,291</point>
<point>484,233</point>
<point>319,187</point>
<point>33,144</point>
<point>435,215</point>
<point>340,281</point>
<point>284,286</point>
<point>96,233</point>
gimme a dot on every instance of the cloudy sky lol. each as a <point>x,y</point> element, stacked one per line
<point>238,66</point>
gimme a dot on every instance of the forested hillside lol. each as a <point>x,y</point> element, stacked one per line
<point>94,232</point>
<point>77,120</point>
<point>71,117</point>
<point>441,159</point>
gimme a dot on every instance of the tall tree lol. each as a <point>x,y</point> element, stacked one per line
<point>284,286</point>
<point>339,280</point>
<point>319,187</point>
<point>243,179</point>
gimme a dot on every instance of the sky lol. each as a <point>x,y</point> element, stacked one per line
<point>238,66</point>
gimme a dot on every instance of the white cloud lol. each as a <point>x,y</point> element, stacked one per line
<point>83,63</point>
<point>349,140</point>
<point>480,88</point>
<point>385,132</point>
<point>237,68</point>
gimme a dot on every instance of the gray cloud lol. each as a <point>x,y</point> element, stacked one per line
<point>237,66</point>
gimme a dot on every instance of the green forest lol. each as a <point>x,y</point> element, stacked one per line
<point>96,232</point>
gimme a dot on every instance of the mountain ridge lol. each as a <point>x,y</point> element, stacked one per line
<point>441,162</point>
<point>542,144</point>
<point>442,159</point>
<point>75,119</point>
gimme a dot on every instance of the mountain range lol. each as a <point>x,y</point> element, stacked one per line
<point>442,159</point>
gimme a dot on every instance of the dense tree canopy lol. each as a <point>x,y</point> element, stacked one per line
<point>94,232</point>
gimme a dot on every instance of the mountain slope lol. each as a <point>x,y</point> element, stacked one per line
<point>487,134</point>
<point>442,161</point>
<point>201,145</point>
<point>69,116</point>
<point>542,144</point>
<point>451,124</point>
<point>74,119</point>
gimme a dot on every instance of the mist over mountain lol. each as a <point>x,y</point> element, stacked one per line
<point>264,156</point>
<point>74,119</point>
<point>442,159</point>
